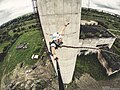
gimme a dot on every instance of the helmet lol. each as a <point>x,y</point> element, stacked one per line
<point>56,36</point>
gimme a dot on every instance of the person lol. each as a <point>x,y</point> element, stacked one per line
<point>57,41</point>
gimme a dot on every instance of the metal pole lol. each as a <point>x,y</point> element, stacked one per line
<point>61,85</point>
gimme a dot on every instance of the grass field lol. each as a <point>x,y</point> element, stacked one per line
<point>15,56</point>
<point>90,64</point>
<point>3,45</point>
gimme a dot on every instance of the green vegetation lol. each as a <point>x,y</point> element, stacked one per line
<point>90,64</point>
<point>104,19</point>
<point>19,30</point>
<point>16,56</point>
<point>2,45</point>
<point>94,31</point>
<point>11,30</point>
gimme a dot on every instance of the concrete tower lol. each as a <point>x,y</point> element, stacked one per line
<point>53,15</point>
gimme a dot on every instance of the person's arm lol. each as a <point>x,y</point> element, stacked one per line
<point>52,46</point>
<point>53,51</point>
<point>63,28</point>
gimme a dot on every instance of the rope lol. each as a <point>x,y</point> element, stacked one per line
<point>91,48</point>
<point>78,47</point>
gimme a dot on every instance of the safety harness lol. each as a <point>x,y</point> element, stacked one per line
<point>56,43</point>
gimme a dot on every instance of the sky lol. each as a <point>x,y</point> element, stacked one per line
<point>10,9</point>
<point>112,6</point>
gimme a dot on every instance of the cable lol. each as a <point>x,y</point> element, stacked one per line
<point>88,3</point>
<point>91,48</point>
<point>78,47</point>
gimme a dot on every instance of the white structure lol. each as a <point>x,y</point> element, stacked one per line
<point>96,42</point>
<point>91,22</point>
<point>53,15</point>
<point>35,56</point>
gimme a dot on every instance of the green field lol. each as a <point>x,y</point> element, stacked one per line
<point>15,56</point>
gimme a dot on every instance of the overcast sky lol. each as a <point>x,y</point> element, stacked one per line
<point>112,6</point>
<point>10,9</point>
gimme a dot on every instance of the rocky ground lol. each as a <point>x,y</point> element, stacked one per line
<point>41,76</point>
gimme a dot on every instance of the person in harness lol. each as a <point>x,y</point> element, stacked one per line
<point>57,41</point>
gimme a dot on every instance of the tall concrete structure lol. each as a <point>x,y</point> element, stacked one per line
<point>53,15</point>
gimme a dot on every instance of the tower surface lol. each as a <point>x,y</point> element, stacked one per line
<point>53,15</point>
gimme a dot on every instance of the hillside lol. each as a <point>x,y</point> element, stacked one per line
<point>25,30</point>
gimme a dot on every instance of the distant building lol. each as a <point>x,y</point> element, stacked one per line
<point>35,57</point>
<point>95,36</point>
